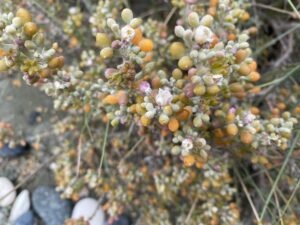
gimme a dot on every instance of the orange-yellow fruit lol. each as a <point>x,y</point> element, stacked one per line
<point>30,29</point>
<point>57,62</point>
<point>254,110</point>
<point>230,117</point>
<point>245,16</point>
<point>173,124</point>
<point>213,3</point>
<point>87,108</point>
<point>24,15</point>
<point>145,121</point>
<point>177,50</point>
<point>254,76</point>
<point>111,100</point>
<point>212,11</point>
<point>253,65</point>
<point>155,82</point>
<point>232,129</point>
<point>102,40</point>
<point>189,160</point>
<point>146,45</point>
<point>244,69</point>
<point>231,37</point>
<point>137,37</point>
<point>246,137</point>
<point>184,114</point>
<point>185,63</point>
<point>241,55</point>
<point>44,73</point>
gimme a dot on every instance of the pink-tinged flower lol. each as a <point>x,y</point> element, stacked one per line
<point>189,90</point>
<point>232,110</point>
<point>164,97</point>
<point>190,1</point>
<point>109,72</point>
<point>203,35</point>
<point>187,144</point>
<point>145,87</point>
<point>127,33</point>
<point>249,117</point>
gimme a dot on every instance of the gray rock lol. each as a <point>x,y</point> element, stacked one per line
<point>49,206</point>
<point>25,219</point>
<point>4,213</point>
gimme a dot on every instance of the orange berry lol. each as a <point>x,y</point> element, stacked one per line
<point>173,124</point>
<point>111,100</point>
<point>57,62</point>
<point>145,121</point>
<point>177,50</point>
<point>148,57</point>
<point>253,65</point>
<point>146,45</point>
<point>244,69</point>
<point>246,137</point>
<point>254,110</point>
<point>189,160</point>
<point>185,63</point>
<point>30,29</point>
<point>231,37</point>
<point>137,37</point>
<point>230,117</point>
<point>184,114</point>
<point>24,15</point>
<point>215,41</point>
<point>232,129</point>
<point>281,105</point>
<point>155,82</point>
<point>212,11</point>
<point>254,76</point>
<point>245,16</point>
<point>241,55</point>
<point>213,3</point>
<point>87,108</point>
<point>255,90</point>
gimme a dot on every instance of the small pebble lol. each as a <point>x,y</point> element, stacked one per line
<point>6,187</point>
<point>86,208</point>
<point>20,206</point>
<point>49,206</point>
<point>25,219</point>
<point>7,152</point>
<point>122,220</point>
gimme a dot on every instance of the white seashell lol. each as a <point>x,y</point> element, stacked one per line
<point>20,206</point>
<point>89,209</point>
<point>6,186</point>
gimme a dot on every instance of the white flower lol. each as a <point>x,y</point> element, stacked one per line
<point>203,34</point>
<point>164,97</point>
<point>127,33</point>
<point>187,144</point>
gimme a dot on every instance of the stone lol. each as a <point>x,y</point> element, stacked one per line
<point>20,206</point>
<point>48,204</point>
<point>6,187</point>
<point>122,220</point>
<point>7,152</point>
<point>89,209</point>
<point>25,219</point>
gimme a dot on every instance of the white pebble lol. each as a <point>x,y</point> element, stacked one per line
<point>6,186</point>
<point>20,206</point>
<point>89,209</point>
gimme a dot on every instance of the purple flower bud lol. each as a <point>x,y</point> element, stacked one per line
<point>144,87</point>
<point>190,1</point>
<point>116,44</point>
<point>109,71</point>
